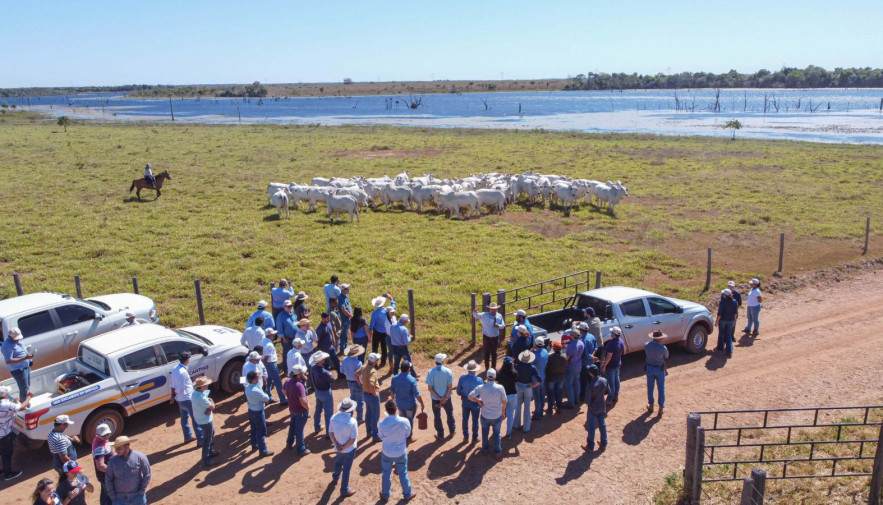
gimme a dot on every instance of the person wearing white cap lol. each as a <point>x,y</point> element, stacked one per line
<point>253,335</point>
<point>371,388</point>
<point>465,385</point>
<point>736,295</point>
<point>541,358</point>
<point>378,328</point>
<point>268,320</point>
<point>253,363</point>
<point>18,361</point>
<point>491,397</point>
<point>298,407</point>
<point>343,430</point>
<point>440,380</point>
<point>130,320</point>
<point>279,295</point>
<point>73,486</point>
<point>61,446</point>
<point>492,325</point>
<point>755,299</point>
<point>294,355</point>
<point>520,321</point>
<point>727,314</point>
<point>102,451</point>
<point>8,408</point>
<point>321,379</point>
<point>286,326</point>
<point>399,338</point>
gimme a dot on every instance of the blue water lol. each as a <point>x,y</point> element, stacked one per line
<point>850,115</point>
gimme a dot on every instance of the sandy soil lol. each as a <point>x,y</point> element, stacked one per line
<point>820,345</point>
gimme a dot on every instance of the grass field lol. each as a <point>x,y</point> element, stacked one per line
<point>67,211</point>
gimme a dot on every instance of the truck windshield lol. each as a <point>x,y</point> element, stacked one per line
<point>93,360</point>
<point>193,337</point>
<point>95,303</point>
<point>602,308</point>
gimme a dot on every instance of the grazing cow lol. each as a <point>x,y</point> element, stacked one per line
<point>338,204</point>
<point>280,200</point>
<point>491,198</point>
<point>272,188</point>
<point>359,194</point>
<point>397,194</point>
<point>317,194</point>
<point>423,194</point>
<point>454,201</point>
<point>568,193</point>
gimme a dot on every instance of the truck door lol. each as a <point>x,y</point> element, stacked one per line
<point>76,323</point>
<point>668,318</point>
<point>199,363</point>
<point>635,324</point>
<point>142,379</point>
<point>40,333</point>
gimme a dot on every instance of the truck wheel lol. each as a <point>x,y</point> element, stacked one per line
<point>30,444</point>
<point>111,417</point>
<point>696,339</point>
<point>229,379</point>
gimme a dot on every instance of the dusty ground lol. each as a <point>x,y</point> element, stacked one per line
<point>820,345</point>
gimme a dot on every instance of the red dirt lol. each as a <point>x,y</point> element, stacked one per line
<point>819,345</point>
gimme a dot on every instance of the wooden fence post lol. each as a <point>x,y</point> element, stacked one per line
<point>501,301</point>
<point>588,280</point>
<point>135,285</point>
<point>485,301</point>
<point>781,250</point>
<point>694,420</point>
<point>747,491</point>
<point>696,494</point>
<point>877,472</point>
<point>18,288</point>
<point>759,478</point>
<point>79,288</point>
<point>411,312</point>
<point>708,272</point>
<point>472,318</point>
<point>867,234</point>
<point>597,279</point>
<point>199,301</point>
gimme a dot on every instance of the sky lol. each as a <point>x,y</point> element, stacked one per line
<point>63,43</point>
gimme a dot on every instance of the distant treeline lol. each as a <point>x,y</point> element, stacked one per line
<point>809,77</point>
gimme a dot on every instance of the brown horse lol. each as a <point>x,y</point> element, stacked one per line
<point>142,183</point>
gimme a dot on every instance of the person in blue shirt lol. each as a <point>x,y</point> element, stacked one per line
<point>280,293</point>
<point>257,399</point>
<point>321,379</point>
<point>399,338</point>
<point>18,361</point>
<point>326,335</point>
<point>523,340</point>
<point>574,354</point>
<point>269,320</point>
<point>350,366</point>
<point>359,331</point>
<point>286,328</point>
<point>528,379</point>
<point>331,290</point>
<point>466,384</point>
<point>520,320</point>
<point>345,310</point>
<point>378,328</point>
<point>440,380</point>
<point>539,392</point>
<point>394,431</point>
<point>403,389</point>
<point>591,345</point>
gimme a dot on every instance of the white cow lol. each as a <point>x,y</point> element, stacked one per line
<point>280,200</point>
<point>397,194</point>
<point>272,188</point>
<point>320,181</point>
<point>612,194</point>
<point>423,194</point>
<point>454,201</point>
<point>359,194</point>
<point>568,193</point>
<point>317,194</point>
<point>338,204</point>
<point>401,179</point>
<point>491,198</point>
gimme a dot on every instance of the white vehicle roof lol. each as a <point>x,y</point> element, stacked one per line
<point>22,303</point>
<point>115,341</point>
<point>617,294</point>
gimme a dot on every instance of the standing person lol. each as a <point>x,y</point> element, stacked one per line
<point>541,358</point>
<point>61,446</point>
<point>492,324</point>
<point>253,334</point>
<point>395,431</point>
<point>399,338</point>
<point>268,320</point>
<point>731,285</point>
<point>613,350</point>
<point>73,486</point>
<point>148,176</point>
<point>280,294</point>
<point>298,407</point>
<point>203,406</point>
<point>270,359</point>
<point>378,329</point>
<point>18,361</point>
<point>403,389</point>
<point>130,320</point>
<point>527,378</point>
<point>182,389</point>
<point>656,354</point>
<point>491,397</point>
<point>321,379</point>
<point>254,363</point>
<point>309,338</point>
<point>596,412</point>
<point>465,385</point>
<point>344,432</point>
<point>45,493</point>
<point>590,347</point>
<point>128,474</point>
<point>336,325</point>
<point>331,290</point>
<point>359,330</point>
<point>556,367</point>
<point>727,314</point>
<point>8,408</point>
<point>300,306</point>
<point>294,355</point>
<point>441,383</point>
<point>286,326</point>
<point>371,388</point>
<point>345,310</point>
<point>594,324</point>
<point>506,377</point>
<point>521,341</point>
<point>326,336</point>
<point>575,350</point>
<point>102,451</point>
<point>755,299</point>
<point>350,367</point>
<point>257,400</point>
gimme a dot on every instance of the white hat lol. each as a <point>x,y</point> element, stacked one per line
<point>539,341</point>
<point>253,355</point>
<point>404,317</point>
<point>491,373</point>
<point>616,330</point>
<point>5,391</point>
<point>378,301</point>
<point>14,334</point>
<point>526,357</point>
<point>727,292</point>
<point>129,314</point>
<point>301,296</point>
<point>344,287</point>
<point>440,358</point>
<point>262,304</point>
<point>373,357</point>
<point>521,329</point>
<point>472,366</point>
<point>63,419</point>
<point>102,430</point>
<point>521,313</point>
<point>493,305</point>
<point>317,357</point>
<point>346,405</point>
<point>298,342</point>
<point>583,326</point>
<point>287,303</point>
<point>298,369</point>
<point>270,331</point>
<point>731,284</point>
<point>754,281</point>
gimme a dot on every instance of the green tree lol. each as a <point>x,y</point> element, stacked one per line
<point>64,121</point>
<point>347,80</point>
<point>733,124</point>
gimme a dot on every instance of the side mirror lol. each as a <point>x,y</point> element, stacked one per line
<point>679,309</point>
<point>99,316</point>
<point>205,351</point>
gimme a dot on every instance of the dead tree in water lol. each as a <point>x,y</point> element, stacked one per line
<point>484,101</point>
<point>717,100</point>
<point>414,101</point>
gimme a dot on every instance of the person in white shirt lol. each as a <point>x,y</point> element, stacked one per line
<point>309,337</point>
<point>254,364</point>
<point>294,355</point>
<point>130,320</point>
<point>253,335</point>
<point>755,299</point>
<point>271,361</point>
<point>182,388</point>
<point>344,431</point>
<point>148,175</point>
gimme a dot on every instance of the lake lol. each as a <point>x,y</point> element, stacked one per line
<point>817,115</point>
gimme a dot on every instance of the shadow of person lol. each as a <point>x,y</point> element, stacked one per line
<point>637,429</point>
<point>417,458</point>
<point>716,361</point>
<point>475,466</point>
<point>577,467</point>
<point>370,462</point>
<point>745,340</point>
<point>448,462</point>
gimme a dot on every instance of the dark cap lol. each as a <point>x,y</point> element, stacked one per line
<point>184,356</point>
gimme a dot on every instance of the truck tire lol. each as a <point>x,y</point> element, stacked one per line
<point>108,416</point>
<point>30,444</point>
<point>230,374</point>
<point>697,339</point>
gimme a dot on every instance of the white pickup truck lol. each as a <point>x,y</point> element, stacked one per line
<point>123,372</point>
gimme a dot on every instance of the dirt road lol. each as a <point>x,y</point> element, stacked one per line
<point>818,346</point>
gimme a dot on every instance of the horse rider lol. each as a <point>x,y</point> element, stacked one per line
<point>148,175</point>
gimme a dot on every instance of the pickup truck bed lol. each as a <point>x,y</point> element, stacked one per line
<point>43,381</point>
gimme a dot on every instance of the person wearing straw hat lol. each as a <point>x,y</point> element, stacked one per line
<point>253,335</point>
<point>350,367</point>
<point>182,388</point>
<point>130,320</point>
<point>465,385</point>
<point>269,321</point>
<point>18,361</point>
<point>656,354</point>
<point>395,431</point>
<point>102,451</point>
<point>755,298</point>
<point>541,358</point>
<point>203,406</point>
<point>8,409</point>
<point>286,325</point>
<point>596,409</point>
<point>440,380</point>
<point>256,399</point>
<point>344,433</point>
<point>298,408</point>
<point>399,338</point>
<point>309,338</point>
<point>492,324</point>
<point>61,446</point>
<point>280,294</point>
<point>403,389</point>
<point>378,328</point>
<point>73,486</point>
<point>321,379</point>
<point>491,397</point>
<point>294,355</point>
<point>128,474</point>
<point>300,306</point>
<point>270,359</point>
<point>371,387</point>
<point>527,379</point>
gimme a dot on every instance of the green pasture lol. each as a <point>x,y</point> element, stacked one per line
<point>66,210</point>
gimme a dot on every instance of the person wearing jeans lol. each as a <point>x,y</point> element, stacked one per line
<point>465,385</point>
<point>613,350</point>
<point>403,389</point>
<point>350,367</point>
<point>597,409</point>
<point>257,399</point>
<point>727,314</point>
<point>8,409</point>
<point>181,390</point>
<point>394,432</point>
<point>527,379</point>
<point>555,369</point>
<point>440,380</point>
<point>18,361</point>
<point>574,367</point>
<point>540,361</point>
<point>271,362</point>
<point>656,354</point>
<point>321,379</point>
<point>203,406</point>
<point>754,305</point>
<point>491,397</point>
<point>368,380</point>
<point>298,408</point>
<point>343,430</point>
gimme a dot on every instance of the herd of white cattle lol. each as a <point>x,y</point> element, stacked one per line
<point>495,191</point>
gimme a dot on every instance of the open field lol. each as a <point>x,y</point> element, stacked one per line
<point>67,211</point>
